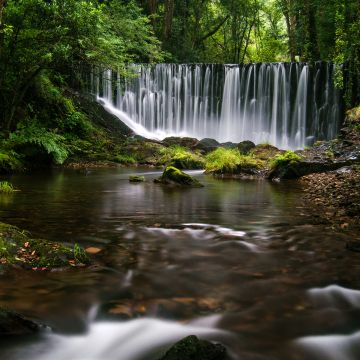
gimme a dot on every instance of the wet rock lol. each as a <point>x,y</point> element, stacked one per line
<point>245,146</point>
<point>229,145</point>
<point>136,179</point>
<point>206,145</point>
<point>187,142</point>
<point>295,170</point>
<point>174,176</point>
<point>191,348</point>
<point>12,324</point>
<point>265,151</point>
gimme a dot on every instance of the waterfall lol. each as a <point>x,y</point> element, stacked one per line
<point>289,105</point>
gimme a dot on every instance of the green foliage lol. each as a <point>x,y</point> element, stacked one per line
<point>80,255</point>
<point>180,157</point>
<point>287,158</point>
<point>6,187</point>
<point>33,134</point>
<point>127,159</point>
<point>9,161</point>
<point>228,161</point>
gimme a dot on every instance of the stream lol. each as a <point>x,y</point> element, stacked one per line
<point>239,262</point>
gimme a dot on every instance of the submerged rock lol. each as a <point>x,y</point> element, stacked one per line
<point>174,176</point>
<point>245,146</point>
<point>12,324</point>
<point>191,348</point>
<point>136,179</point>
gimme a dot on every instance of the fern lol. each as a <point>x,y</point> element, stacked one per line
<point>48,141</point>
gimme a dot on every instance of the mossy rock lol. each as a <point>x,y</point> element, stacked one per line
<point>206,145</point>
<point>136,179</point>
<point>187,142</point>
<point>265,151</point>
<point>245,147</point>
<point>191,348</point>
<point>14,324</point>
<point>17,248</point>
<point>174,176</point>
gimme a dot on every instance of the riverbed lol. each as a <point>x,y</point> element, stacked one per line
<point>240,262</point>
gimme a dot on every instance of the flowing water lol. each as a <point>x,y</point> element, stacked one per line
<point>239,262</point>
<point>289,105</point>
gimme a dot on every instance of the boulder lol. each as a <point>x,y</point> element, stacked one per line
<point>206,145</point>
<point>174,176</point>
<point>245,147</point>
<point>191,348</point>
<point>186,142</point>
<point>229,145</point>
<point>12,324</point>
<point>136,179</point>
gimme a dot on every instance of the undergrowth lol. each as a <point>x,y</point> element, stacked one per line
<point>224,160</point>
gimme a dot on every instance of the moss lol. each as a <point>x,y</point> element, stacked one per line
<point>230,161</point>
<point>136,179</point>
<point>174,176</point>
<point>18,248</point>
<point>265,151</point>
<point>180,157</point>
<point>287,158</point>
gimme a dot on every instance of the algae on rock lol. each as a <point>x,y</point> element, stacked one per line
<point>174,176</point>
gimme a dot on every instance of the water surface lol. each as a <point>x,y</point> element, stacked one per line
<point>236,261</point>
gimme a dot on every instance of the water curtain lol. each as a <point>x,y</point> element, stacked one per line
<point>289,105</point>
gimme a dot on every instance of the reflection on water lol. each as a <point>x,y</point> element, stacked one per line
<point>245,251</point>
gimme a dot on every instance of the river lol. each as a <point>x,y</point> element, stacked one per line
<point>241,262</point>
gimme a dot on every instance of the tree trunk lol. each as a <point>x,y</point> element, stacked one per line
<point>168,18</point>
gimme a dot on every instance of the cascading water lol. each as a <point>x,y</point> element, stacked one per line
<point>289,105</point>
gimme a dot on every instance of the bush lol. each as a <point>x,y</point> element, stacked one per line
<point>287,158</point>
<point>229,161</point>
<point>6,187</point>
<point>9,161</point>
<point>180,157</point>
<point>34,135</point>
<point>125,159</point>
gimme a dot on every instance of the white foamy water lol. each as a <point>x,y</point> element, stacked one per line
<point>332,347</point>
<point>132,340</point>
<point>334,296</point>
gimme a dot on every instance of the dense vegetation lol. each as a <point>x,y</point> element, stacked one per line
<point>47,45</point>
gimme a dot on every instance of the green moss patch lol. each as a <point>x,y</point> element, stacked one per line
<point>181,158</point>
<point>230,161</point>
<point>17,248</point>
<point>174,176</point>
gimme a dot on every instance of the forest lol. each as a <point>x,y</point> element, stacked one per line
<point>179,179</point>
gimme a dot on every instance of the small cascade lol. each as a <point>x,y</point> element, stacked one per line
<point>289,105</point>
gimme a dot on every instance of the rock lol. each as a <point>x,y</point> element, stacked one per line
<point>174,176</point>
<point>192,348</point>
<point>187,142</point>
<point>136,179</point>
<point>207,145</point>
<point>229,145</point>
<point>265,151</point>
<point>295,170</point>
<point>12,324</point>
<point>245,146</point>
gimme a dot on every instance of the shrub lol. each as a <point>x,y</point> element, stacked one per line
<point>125,159</point>
<point>180,157</point>
<point>6,187</point>
<point>50,142</point>
<point>9,161</point>
<point>287,158</point>
<point>230,161</point>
